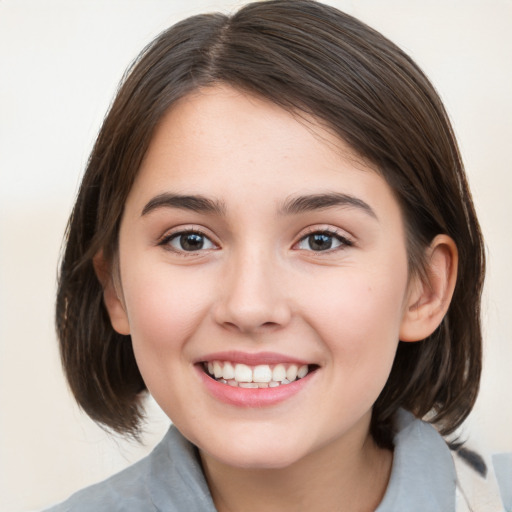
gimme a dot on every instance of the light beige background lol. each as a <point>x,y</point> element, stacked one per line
<point>60,62</point>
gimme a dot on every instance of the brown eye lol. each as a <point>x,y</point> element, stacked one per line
<point>189,242</point>
<point>323,241</point>
<point>320,242</point>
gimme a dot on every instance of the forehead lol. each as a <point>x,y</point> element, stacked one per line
<point>243,149</point>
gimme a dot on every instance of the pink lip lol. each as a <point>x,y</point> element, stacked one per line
<point>250,397</point>
<point>253,359</point>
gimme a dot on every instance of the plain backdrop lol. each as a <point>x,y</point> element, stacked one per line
<point>60,62</point>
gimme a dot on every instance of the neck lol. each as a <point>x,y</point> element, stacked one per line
<point>342,476</point>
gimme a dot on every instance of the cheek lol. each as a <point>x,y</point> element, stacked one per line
<point>164,309</point>
<point>358,318</point>
<point>358,303</point>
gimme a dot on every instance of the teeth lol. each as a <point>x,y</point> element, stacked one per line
<point>291,373</point>
<point>247,384</point>
<point>260,376</point>
<point>228,371</point>
<point>279,373</point>
<point>217,370</point>
<point>243,373</point>
<point>262,373</point>
<point>302,371</point>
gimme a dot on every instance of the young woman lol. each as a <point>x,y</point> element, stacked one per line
<point>275,238</point>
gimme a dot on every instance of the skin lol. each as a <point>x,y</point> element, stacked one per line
<point>257,285</point>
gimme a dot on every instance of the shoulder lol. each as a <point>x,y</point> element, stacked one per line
<point>423,476</point>
<point>170,479</point>
<point>126,490</point>
<point>427,477</point>
<point>123,491</point>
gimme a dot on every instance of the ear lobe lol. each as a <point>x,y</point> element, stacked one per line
<point>112,297</point>
<point>429,299</point>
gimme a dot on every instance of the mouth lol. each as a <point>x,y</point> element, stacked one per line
<point>259,376</point>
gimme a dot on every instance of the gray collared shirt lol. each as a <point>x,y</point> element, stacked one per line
<point>170,479</point>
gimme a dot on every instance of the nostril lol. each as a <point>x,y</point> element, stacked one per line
<point>270,324</point>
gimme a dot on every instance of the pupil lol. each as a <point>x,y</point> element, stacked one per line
<point>320,242</point>
<point>191,242</point>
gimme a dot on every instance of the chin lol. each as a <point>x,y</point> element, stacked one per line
<point>260,460</point>
<point>257,454</point>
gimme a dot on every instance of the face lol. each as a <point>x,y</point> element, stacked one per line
<point>263,279</point>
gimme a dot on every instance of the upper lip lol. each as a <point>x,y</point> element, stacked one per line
<point>252,358</point>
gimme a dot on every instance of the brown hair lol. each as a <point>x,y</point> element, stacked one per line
<point>308,58</point>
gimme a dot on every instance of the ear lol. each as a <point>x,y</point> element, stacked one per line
<point>429,296</point>
<point>112,293</point>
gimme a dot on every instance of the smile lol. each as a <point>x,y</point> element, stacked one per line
<point>259,376</point>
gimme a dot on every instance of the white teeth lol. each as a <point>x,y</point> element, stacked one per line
<point>279,372</point>
<point>260,376</point>
<point>262,373</point>
<point>291,373</point>
<point>217,369</point>
<point>228,371</point>
<point>248,384</point>
<point>302,371</point>
<point>243,373</point>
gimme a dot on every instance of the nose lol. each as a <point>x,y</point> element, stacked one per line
<point>252,297</point>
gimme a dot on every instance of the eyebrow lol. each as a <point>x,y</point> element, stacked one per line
<point>196,203</point>
<point>307,203</point>
<point>292,206</point>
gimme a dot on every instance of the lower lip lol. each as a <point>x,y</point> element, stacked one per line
<point>252,397</point>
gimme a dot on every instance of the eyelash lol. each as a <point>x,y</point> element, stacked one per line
<point>165,242</point>
<point>332,233</point>
<point>329,232</point>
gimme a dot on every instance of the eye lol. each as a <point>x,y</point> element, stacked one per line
<point>323,241</point>
<point>188,241</point>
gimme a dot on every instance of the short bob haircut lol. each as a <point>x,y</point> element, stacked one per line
<point>311,60</point>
